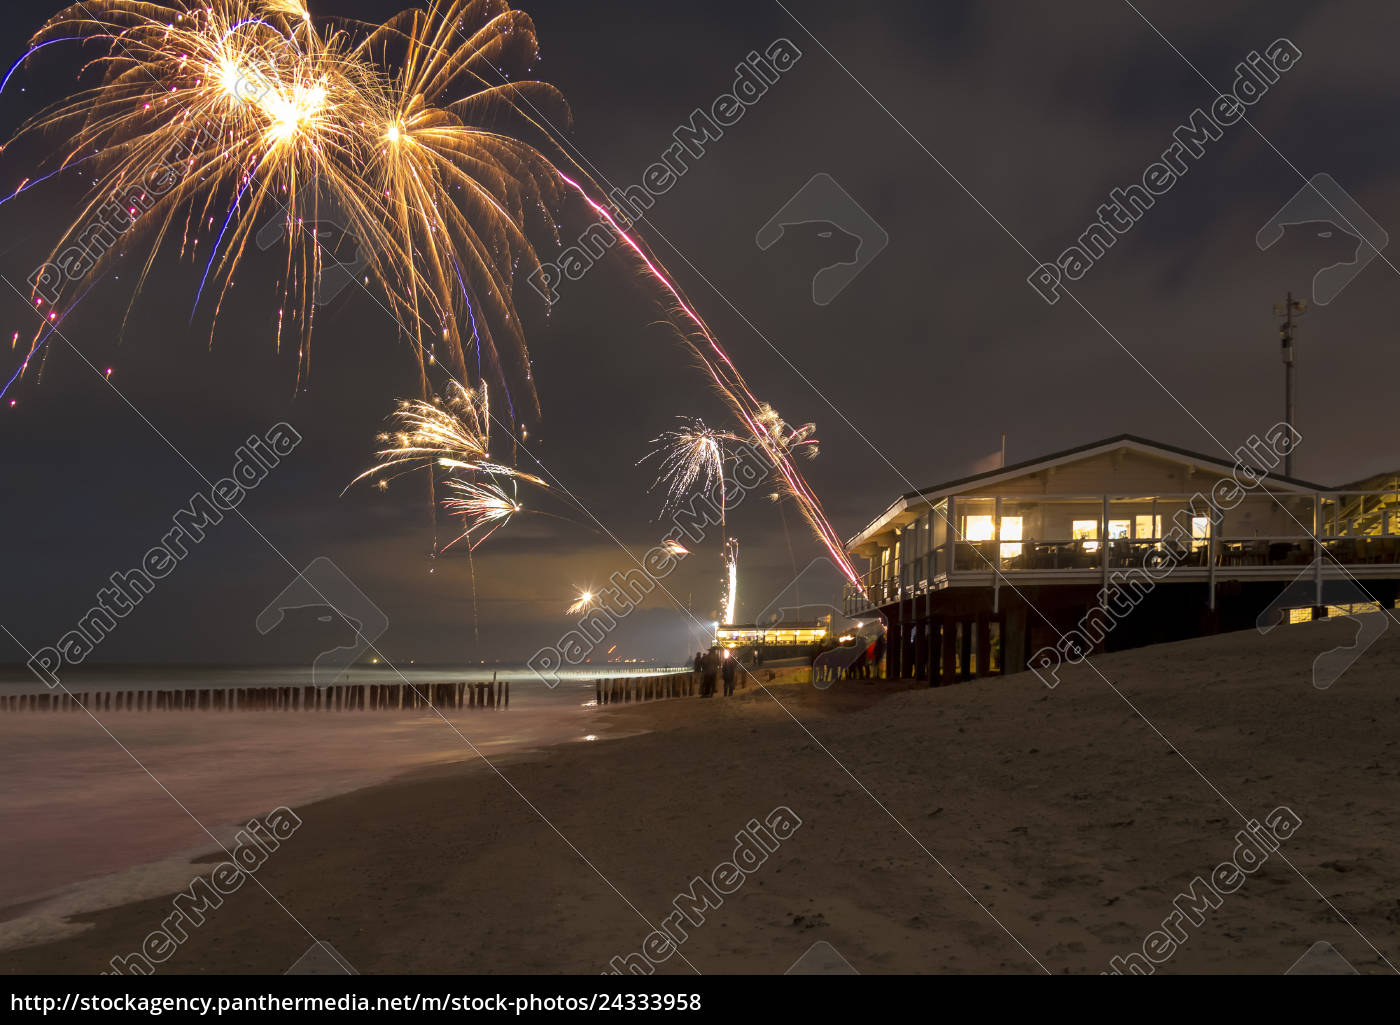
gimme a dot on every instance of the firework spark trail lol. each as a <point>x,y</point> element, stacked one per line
<point>753,414</point>
<point>731,585</point>
<point>481,505</point>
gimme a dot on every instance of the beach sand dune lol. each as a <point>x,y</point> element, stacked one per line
<point>993,826</point>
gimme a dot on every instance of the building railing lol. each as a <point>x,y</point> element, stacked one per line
<point>882,587</point>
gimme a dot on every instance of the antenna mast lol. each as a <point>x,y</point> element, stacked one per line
<point>1286,310</point>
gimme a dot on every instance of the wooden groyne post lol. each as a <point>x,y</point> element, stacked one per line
<point>362,697</point>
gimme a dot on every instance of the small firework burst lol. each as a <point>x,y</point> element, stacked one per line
<point>484,506</point>
<point>450,431</point>
<point>691,457</point>
<point>776,431</point>
<point>450,437</point>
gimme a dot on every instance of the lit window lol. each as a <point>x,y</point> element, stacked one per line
<point>1010,531</point>
<point>978,528</point>
<point>1355,609</point>
<point>1148,526</point>
<point>1088,532</point>
<point>1119,529</point>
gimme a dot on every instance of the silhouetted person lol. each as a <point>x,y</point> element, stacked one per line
<point>710,669</point>
<point>877,655</point>
<point>699,662</point>
<point>729,670</point>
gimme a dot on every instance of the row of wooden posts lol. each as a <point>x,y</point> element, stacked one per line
<point>646,688</point>
<point>352,697</point>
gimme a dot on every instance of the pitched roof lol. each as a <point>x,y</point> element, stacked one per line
<point>1030,465</point>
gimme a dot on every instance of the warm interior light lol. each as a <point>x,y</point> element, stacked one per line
<point>978,528</point>
<point>1010,531</point>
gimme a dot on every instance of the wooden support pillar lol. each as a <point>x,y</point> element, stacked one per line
<point>948,662</point>
<point>894,640</point>
<point>920,649</point>
<point>984,645</point>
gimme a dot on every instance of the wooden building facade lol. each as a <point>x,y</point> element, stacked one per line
<point>1144,542</point>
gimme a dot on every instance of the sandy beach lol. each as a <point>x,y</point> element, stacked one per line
<point>993,826</point>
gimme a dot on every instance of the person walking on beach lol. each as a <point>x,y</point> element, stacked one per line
<point>729,671</point>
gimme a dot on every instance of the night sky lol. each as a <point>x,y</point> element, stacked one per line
<point>912,371</point>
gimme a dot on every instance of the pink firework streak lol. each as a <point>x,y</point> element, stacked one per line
<point>732,386</point>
